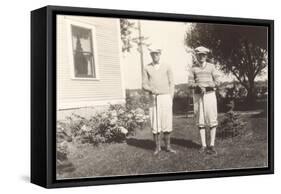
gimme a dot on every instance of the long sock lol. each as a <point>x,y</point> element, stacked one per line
<point>167,137</point>
<point>159,141</point>
<point>213,136</point>
<point>167,140</point>
<point>203,137</point>
<point>155,139</point>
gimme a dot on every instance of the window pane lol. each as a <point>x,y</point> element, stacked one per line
<point>83,52</point>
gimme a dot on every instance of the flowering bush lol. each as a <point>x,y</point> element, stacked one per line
<point>112,125</point>
<point>128,120</point>
<point>138,99</point>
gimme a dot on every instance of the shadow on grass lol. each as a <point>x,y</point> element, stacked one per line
<point>141,143</point>
<point>150,145</point>
<point>185,143</point>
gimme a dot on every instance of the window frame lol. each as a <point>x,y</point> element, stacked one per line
<point>70,23</point>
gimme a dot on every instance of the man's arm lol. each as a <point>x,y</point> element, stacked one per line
<point>216,76</point>
<point>171,81</point>
<point>193,85</point>
<point>191,79</point>
<point>145,81</point>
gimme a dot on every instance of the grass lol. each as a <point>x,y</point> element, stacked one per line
<point>135,156</point>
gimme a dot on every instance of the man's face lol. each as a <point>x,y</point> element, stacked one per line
<point>201,57</point>
<point>155,57</point>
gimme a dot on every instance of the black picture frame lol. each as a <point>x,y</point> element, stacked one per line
<point>43,96</point>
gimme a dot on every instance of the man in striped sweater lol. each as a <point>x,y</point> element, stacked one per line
<point>158,81</point>
<point>204,78</point>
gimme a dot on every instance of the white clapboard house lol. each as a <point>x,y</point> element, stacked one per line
<point>89,70</point>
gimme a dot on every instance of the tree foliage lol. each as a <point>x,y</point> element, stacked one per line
<point>239,49</point>
<point>128,40</point>
<point>126,27</point>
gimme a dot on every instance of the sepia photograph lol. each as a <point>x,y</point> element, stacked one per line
<point>140,97</point>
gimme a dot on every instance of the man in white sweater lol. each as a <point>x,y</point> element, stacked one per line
<point>158,80</point>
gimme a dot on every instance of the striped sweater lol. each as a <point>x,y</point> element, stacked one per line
<point>205,76</point>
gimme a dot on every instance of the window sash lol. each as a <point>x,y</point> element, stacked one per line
<point>84,62</point>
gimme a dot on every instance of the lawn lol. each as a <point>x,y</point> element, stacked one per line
<point>135,156</point>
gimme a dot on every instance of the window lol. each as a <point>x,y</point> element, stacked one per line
<point>83,52</point>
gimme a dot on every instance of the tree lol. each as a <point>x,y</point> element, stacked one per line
<point>127,27</point>
<point>239,49</point>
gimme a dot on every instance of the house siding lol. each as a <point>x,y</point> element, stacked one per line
<point>108,88</point>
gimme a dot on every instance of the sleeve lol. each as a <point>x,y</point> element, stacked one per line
<point>191,78</point>
<point>171,80</point>
<point>145,81</point>
<point>216,76</point>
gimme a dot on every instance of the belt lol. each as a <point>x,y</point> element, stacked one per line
<point>208,89</point>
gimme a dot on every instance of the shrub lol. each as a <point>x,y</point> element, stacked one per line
<point>230,126</point>
<point>232,93</point>
<point>112,125</point>
<point>62,148</point>
<point>138,99</point>
<point>129,119</point>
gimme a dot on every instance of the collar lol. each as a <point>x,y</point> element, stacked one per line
<point>154,64</point>
<point>203,65</point>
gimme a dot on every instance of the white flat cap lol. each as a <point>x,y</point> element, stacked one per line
<point>202,50</point>
<point>154,50</point>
